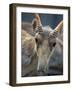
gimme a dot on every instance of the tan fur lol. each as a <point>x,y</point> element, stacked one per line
<point>28,41</point>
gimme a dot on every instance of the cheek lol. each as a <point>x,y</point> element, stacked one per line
<point>52,44</point>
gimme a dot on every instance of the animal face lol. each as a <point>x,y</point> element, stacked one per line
<point>45,41</point>
<point>42,43</point>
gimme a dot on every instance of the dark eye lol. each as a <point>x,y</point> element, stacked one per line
<point>36,40</point>
<point>54,44</point>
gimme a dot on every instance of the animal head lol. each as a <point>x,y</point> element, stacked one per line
<point>45,41</point>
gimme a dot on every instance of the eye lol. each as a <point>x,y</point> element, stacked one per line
<point>36,40</point>
<point>54,44</point>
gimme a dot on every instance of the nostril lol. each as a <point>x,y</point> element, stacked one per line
<point>54,44</point>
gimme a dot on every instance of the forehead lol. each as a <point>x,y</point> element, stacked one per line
<point>44,34</point>
<point>46,30</point>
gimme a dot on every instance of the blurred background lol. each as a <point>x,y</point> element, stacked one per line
<point>47,19</point>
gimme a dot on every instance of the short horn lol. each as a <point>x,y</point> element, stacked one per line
<point>37,17</point>
<point>59,26</point>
